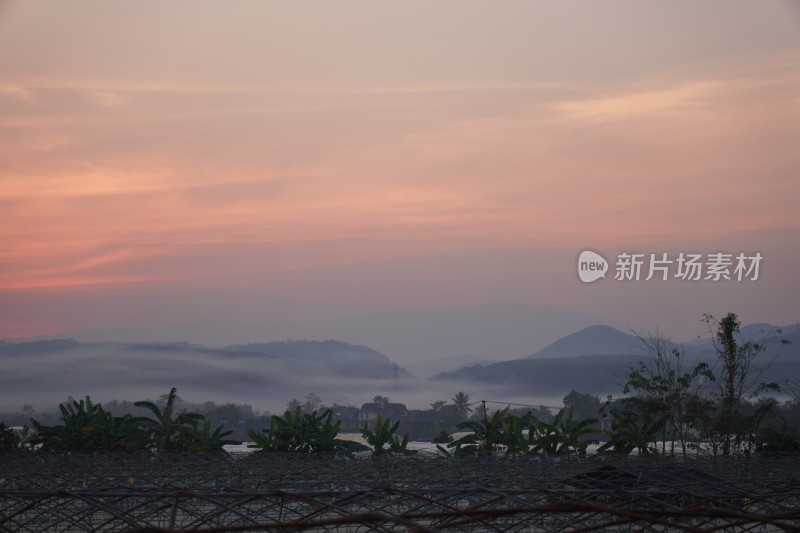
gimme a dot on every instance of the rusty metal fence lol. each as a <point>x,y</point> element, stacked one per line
<point>120,492</point>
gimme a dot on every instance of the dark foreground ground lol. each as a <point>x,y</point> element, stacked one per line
<point>254,492</point>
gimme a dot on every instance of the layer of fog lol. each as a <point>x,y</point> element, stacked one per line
<point>125,372</point>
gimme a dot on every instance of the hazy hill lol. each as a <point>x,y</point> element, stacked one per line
<point>604,340</point>
<point>556,376</point>
<point>433,367</point>
<point>594,358</point>
<point>594,340</point>
<point>11,349</point>
<point>46,372</point>
<point>492,331</point>
<point>267,375</point>
<point>338,358</point>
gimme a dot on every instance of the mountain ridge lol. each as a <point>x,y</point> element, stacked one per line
<point>339,371</point>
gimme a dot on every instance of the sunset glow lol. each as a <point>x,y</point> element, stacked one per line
<point>209,149</point>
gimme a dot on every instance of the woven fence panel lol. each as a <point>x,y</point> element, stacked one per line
<point>263,492</point>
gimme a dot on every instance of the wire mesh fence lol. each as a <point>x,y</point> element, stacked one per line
<point>295,492</point>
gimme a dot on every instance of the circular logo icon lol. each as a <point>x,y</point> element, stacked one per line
<point>591,266</point>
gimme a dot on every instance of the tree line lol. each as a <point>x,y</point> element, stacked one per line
<point>88,427</point>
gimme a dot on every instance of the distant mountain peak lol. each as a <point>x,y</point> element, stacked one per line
<point>593,340</point>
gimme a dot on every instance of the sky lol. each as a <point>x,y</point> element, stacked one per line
<point>164,164</point>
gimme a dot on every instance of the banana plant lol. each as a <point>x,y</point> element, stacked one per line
<point>565,435</point>
<point>9,439</point>
<point>485,438</point>
<point>633,429</point>
<point>164,428</point>
<point>86,426</point>
<point>75,431</point>
<point>513,433</point>
<point>384,439</point>
<point>304,433</point>
<point>205,440</point>
<point>118,433</point>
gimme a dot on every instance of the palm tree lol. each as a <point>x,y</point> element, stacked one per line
<point>165,430</point>
<point>462,404</point>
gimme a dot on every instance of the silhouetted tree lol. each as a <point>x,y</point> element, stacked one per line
<point>294,404</point>
<point>586,405</point>
<point>664,394</point>
<point>438,405</point>
<point>739,382</point>
<point>462,404</point>
<point>312,402</point>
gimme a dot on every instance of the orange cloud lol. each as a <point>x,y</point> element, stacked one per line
<point>103,188</point>
<point>648,104</point>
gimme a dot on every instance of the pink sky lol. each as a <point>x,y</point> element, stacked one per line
<point>163,163</point>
